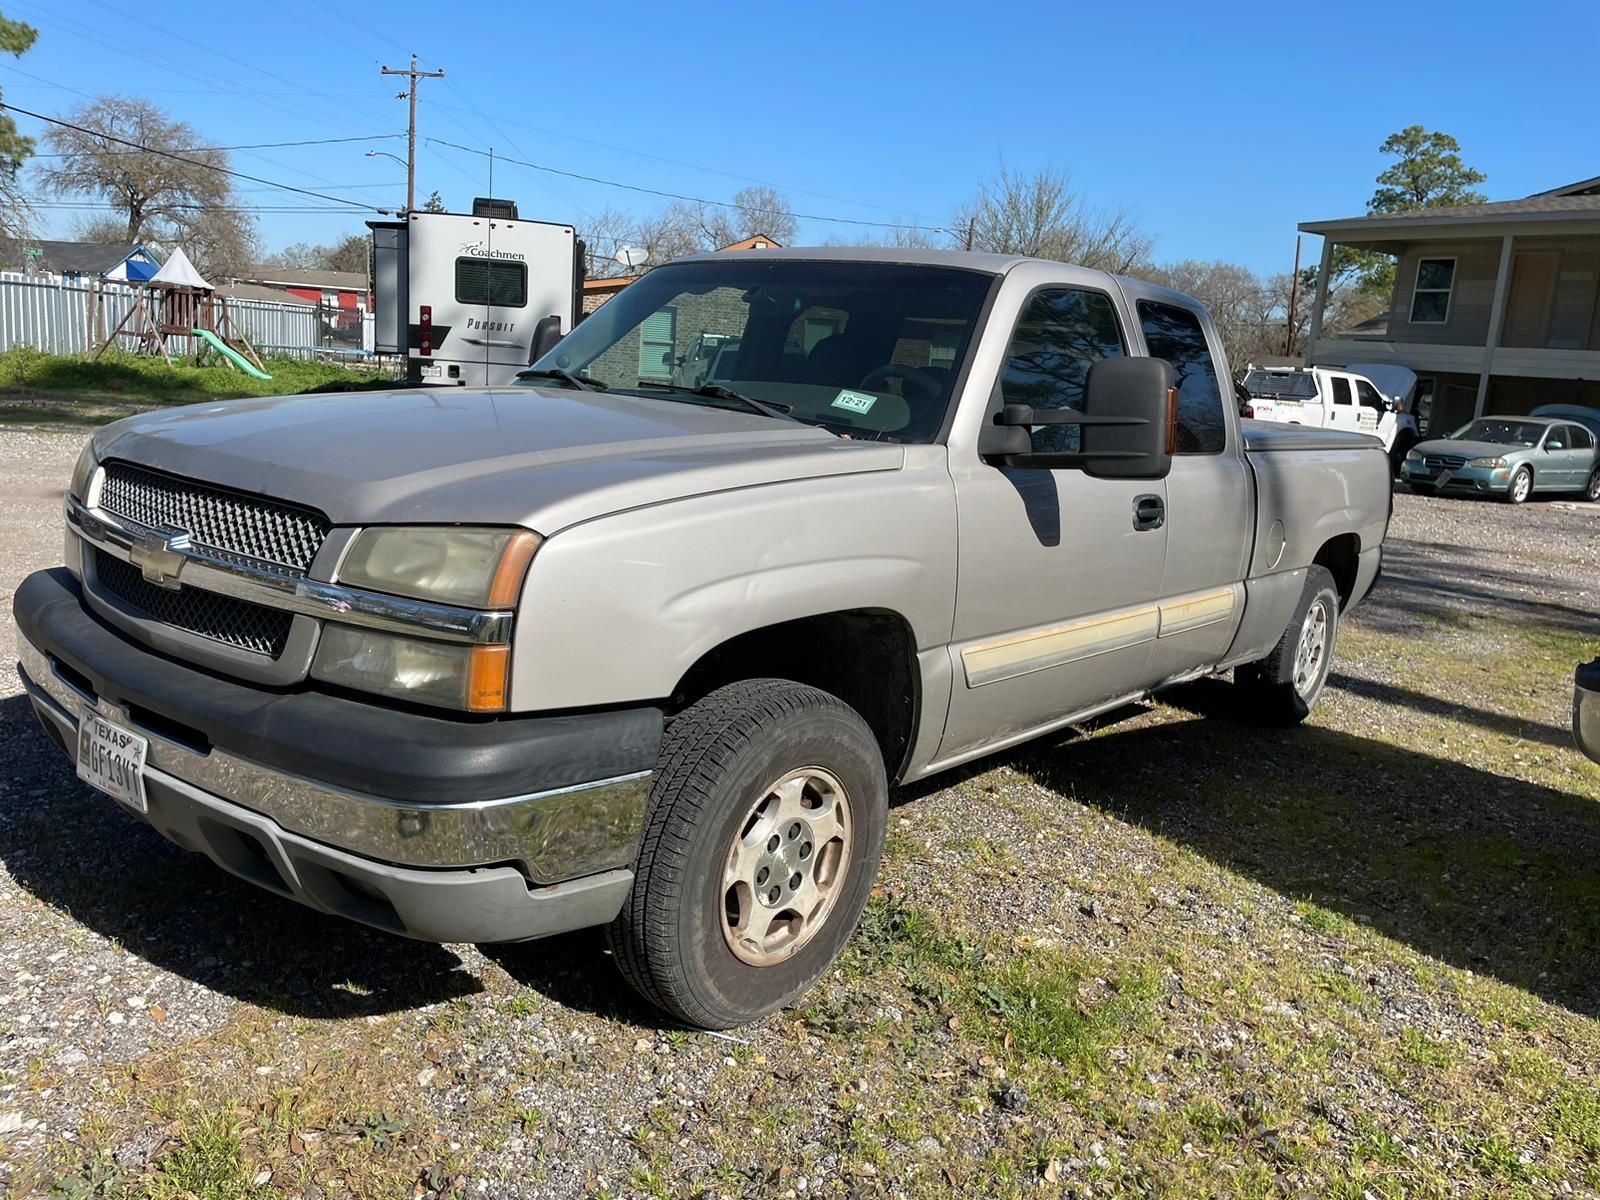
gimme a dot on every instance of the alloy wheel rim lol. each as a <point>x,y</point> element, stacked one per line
<point>1593,491</point>
<point>1311,653</point>
<point>1521,485</point>
<point>786,866</point>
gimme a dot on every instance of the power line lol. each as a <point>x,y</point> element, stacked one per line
<point>250,146</point>
<point>194,162</point>
<point>650,191</point>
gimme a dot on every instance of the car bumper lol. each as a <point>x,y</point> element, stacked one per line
<point>1586,709</point>
<point>1476,480</point>
<point>441,829</point>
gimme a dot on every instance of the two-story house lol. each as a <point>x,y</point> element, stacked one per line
<point>1496,307</point>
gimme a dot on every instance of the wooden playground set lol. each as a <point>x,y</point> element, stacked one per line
<point>177,302</point>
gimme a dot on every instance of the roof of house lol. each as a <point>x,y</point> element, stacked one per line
<point>1584,187</point>
<point>342,281</point>
<point>759,241</point>
<point>71,258</point>
<point>1544,208</point>
<point>257,291</point>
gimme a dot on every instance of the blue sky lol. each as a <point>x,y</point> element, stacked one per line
<point>1218,127</point>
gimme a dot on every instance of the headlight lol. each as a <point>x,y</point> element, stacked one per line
<point>470,678</point>
<point>479,568</point>
<point>1413,456</point>
<point>1487,462</point>
<point>83,473</point>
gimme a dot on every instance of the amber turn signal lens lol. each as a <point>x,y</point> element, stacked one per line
<point>514,560</point>
<point>488,669</point>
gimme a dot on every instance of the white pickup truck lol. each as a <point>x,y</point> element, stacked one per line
<point>1350,399</point>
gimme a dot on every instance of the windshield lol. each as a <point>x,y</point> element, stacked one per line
<point>1281,385</point>
<point>1502,433</point>
<point>866,349</point>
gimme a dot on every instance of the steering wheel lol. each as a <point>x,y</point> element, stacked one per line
<point>911,376</point>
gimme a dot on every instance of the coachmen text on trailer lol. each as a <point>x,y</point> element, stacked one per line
<point>464,295</point>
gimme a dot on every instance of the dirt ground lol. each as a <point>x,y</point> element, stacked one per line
<point>1169,955</point>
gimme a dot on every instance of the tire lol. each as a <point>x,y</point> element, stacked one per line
<point>714,808</point>
<point>1282,689</point>
<point>1591,491</point>
<point>1521,486</point>
<point>1397,455</point>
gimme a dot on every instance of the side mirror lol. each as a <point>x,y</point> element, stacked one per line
<point>545,336</point>
<point>1129,426</point>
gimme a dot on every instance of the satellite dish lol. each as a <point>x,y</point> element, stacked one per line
<point>632,256</point>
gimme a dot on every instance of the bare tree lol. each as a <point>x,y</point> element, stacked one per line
<point>904,237</point>
<point>350,253</point>
<point>607,232</point>
<point>220,242</point>
<point>1040,215</point>
<point>148,186</point>
<point>1248,311</point>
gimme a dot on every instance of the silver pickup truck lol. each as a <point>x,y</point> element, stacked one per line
<point>628,647</point>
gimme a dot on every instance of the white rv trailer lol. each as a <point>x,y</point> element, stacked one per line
<point>461,295</point>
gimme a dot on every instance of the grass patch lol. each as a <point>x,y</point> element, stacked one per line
<point>141,380</point>
<point>208,1165</point>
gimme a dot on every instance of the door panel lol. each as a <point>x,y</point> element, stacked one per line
<point>1056,588</point>
<point>1056,598</point>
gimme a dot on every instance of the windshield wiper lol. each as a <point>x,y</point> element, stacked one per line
<point>566,377</point>
<point>715,391</point>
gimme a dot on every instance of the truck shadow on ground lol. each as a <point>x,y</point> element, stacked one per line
<point>1481,871</point>
<point>76,851</point>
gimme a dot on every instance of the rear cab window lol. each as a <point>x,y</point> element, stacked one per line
<point>1175,334</point>
<point>1281,385</point>
<point>1341,390</point>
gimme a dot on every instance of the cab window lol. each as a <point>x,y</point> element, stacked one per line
<point>1368,395</point>
<point>1175,334</point>
<point>1062,333</point>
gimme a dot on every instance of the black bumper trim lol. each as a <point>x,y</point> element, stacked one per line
<point>335,740</point>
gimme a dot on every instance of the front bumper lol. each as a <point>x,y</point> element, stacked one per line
<point>447,830</point>
<point>1483,481</point>
<point>1586,709</point>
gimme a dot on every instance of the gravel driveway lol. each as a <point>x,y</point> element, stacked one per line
<point>1168,954</point>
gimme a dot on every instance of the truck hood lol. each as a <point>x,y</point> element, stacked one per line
<point>528,456</point>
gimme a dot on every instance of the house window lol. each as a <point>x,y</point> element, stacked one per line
<point>1430,299</point>
<point>657,337</point>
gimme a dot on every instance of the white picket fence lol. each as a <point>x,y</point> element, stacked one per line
<point>54,316</point>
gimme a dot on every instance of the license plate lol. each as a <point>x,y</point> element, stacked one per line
<point>1443,478</point>
<point>111,758</point>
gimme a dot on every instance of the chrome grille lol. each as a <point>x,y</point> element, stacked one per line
<point>208,614</point>
<point>1437,461</point>
<point>229,523</point>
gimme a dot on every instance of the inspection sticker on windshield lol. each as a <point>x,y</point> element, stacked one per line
<point>860,402</point>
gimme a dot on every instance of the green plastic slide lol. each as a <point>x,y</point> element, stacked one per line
<point>229,353</point>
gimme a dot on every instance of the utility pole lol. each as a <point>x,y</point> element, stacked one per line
<point>1294,294</point>
<point>411,129</point>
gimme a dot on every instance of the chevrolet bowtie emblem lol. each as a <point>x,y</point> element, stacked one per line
<point>160,557</point>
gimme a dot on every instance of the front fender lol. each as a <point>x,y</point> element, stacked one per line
<point>618,609</point>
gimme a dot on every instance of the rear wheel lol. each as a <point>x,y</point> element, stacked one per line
<point>1521,486</point>
<point>766,827</point>
<point>1591,491</point>
<point>1284,687</point>
<point>1397,455</point>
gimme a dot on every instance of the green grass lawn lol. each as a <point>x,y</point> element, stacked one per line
<point>40,388</point>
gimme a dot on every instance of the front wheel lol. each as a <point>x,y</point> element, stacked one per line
<point>1591,491</point>
<point>1283,687</point>
<point>765,831</point>
<point>1521,486</point>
